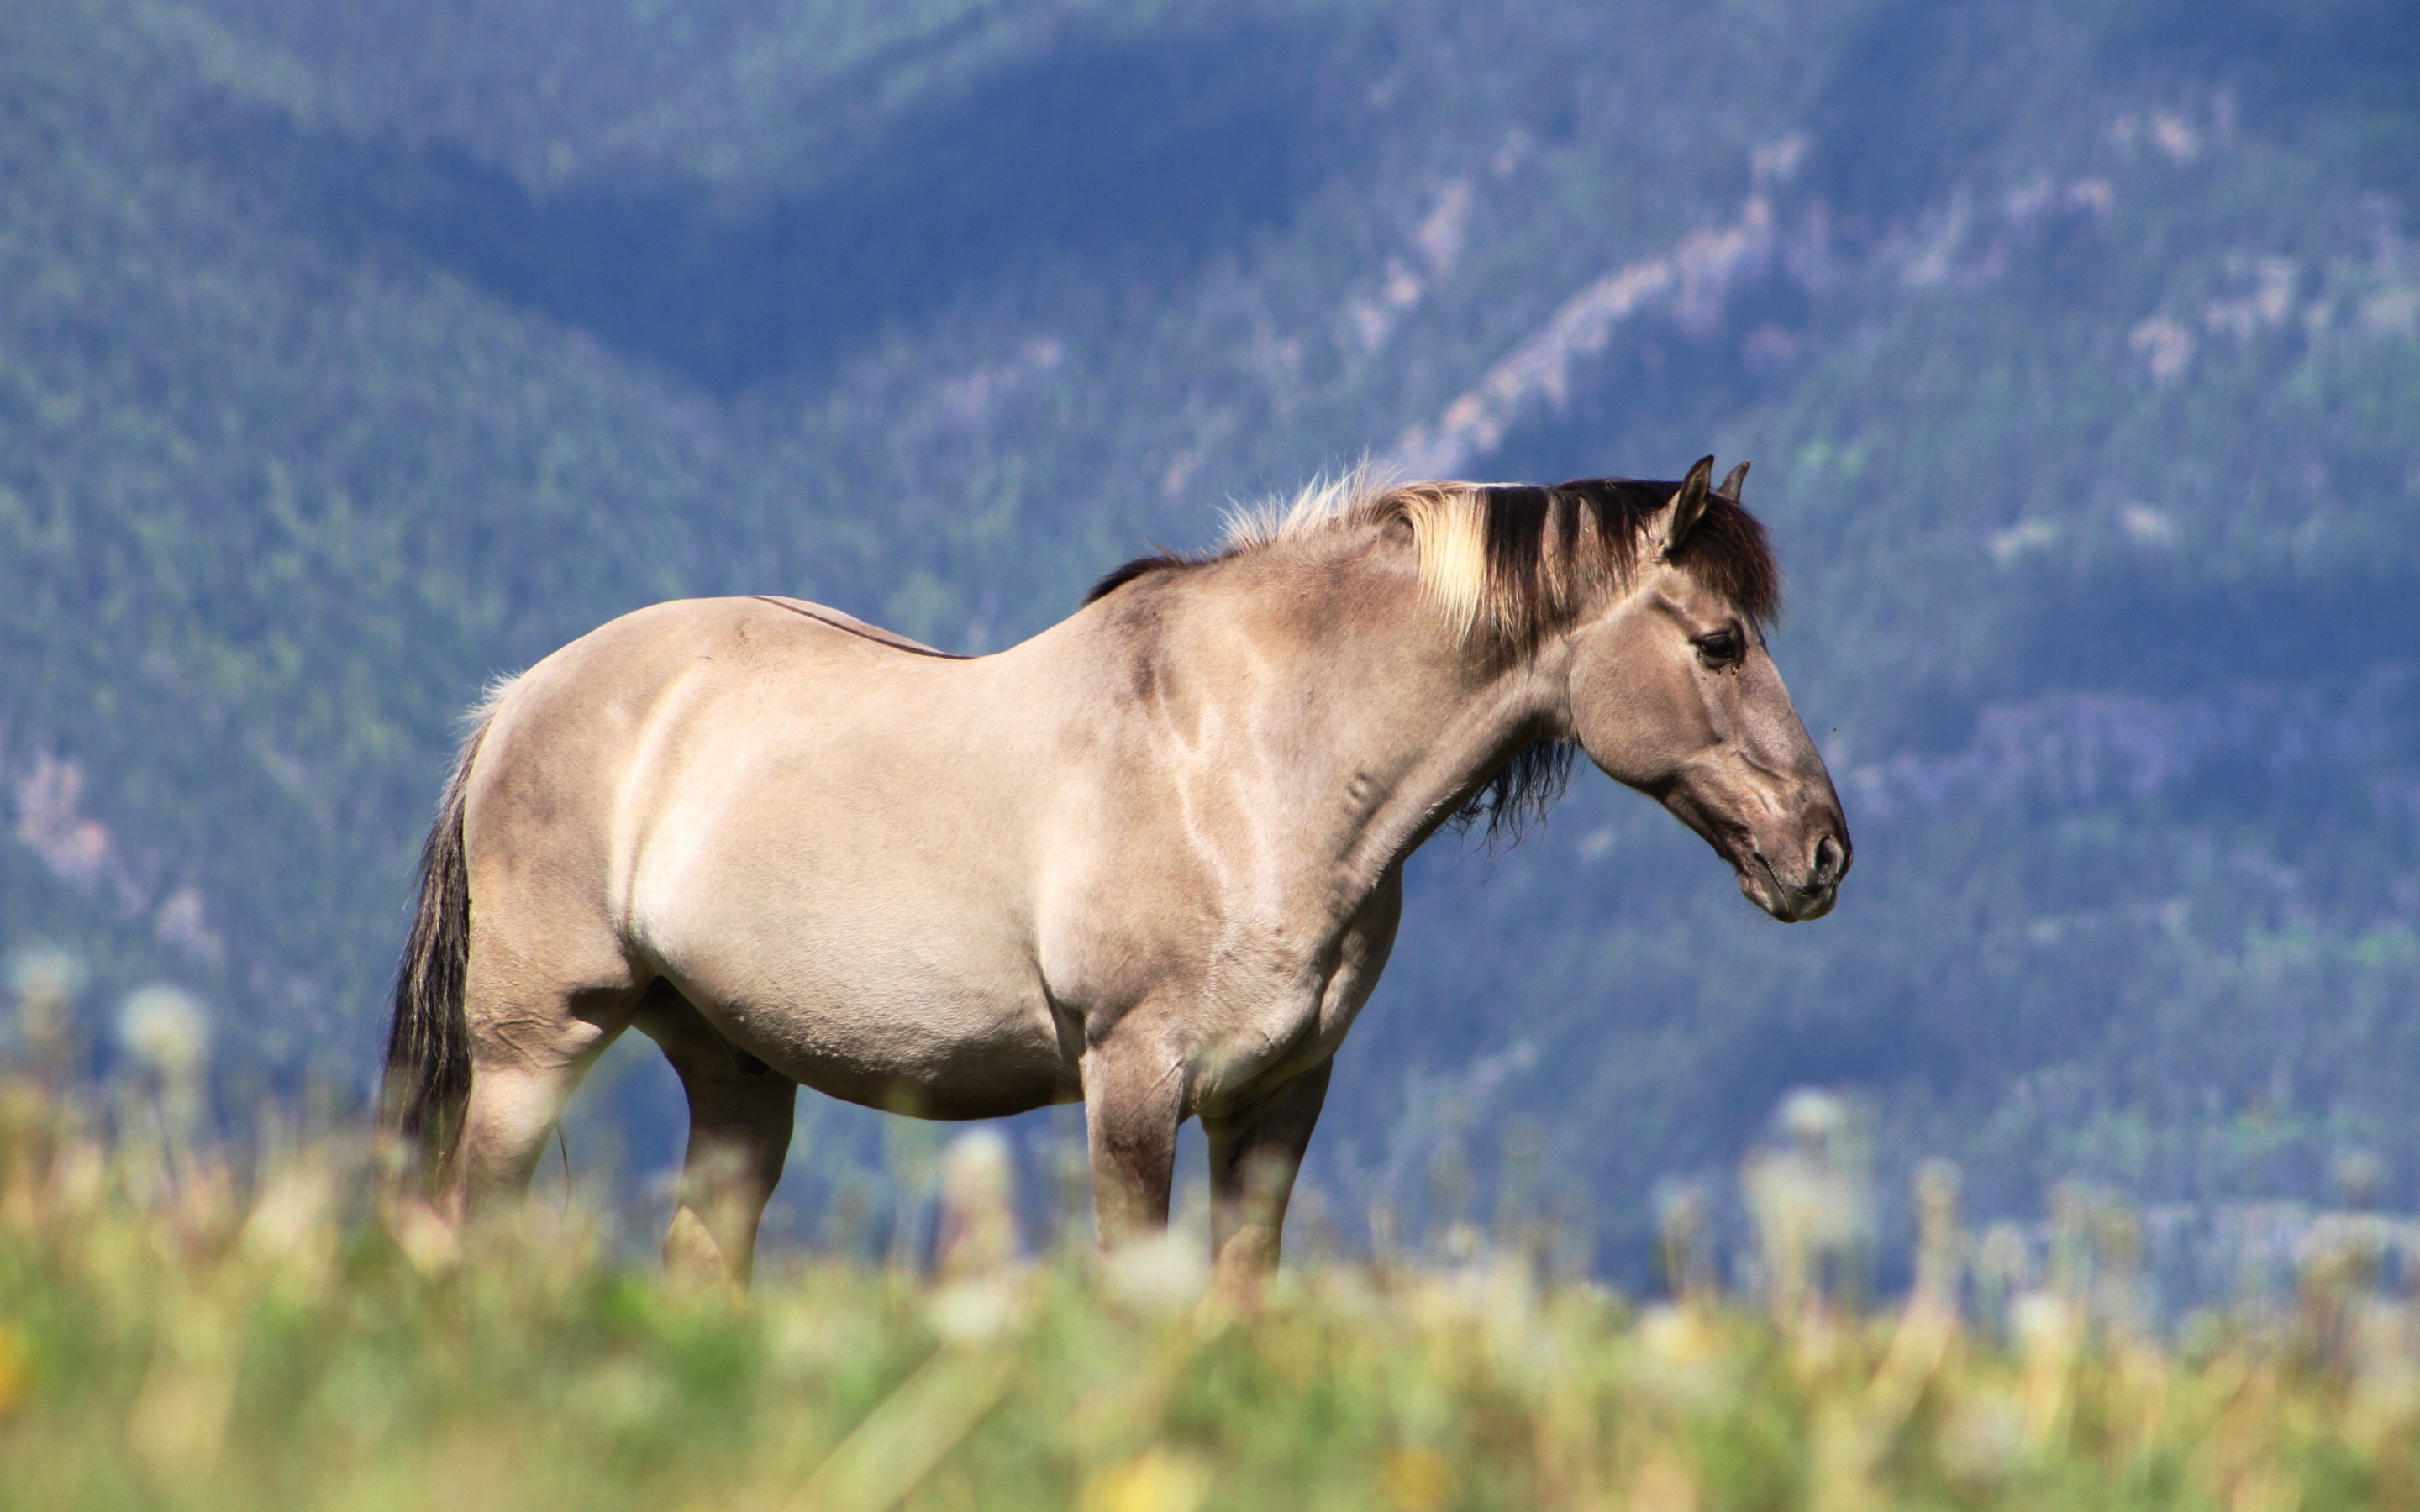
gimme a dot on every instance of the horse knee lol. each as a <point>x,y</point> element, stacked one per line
<point>692,1253</point>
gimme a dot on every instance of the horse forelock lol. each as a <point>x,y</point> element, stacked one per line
<point>1730,552</point>
<point>1508,562</point>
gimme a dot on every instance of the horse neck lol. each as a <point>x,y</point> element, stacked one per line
<point>1398,723</point>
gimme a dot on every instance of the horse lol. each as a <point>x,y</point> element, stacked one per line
<point>1150,860</point>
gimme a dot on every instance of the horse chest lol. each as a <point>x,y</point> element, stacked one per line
<point>1272,1012</point>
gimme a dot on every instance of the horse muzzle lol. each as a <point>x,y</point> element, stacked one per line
<point>1796,894</point>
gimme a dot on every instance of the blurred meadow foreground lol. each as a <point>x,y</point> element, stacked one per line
<point>355,352</point>
<point>184,1322</point>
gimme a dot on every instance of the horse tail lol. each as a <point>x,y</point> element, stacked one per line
<point>427,1078</point>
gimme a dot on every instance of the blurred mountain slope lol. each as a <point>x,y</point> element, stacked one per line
<point>350,355</point>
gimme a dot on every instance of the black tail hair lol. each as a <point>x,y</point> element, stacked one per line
<point>427,1079</point>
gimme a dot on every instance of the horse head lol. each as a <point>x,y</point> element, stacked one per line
<point>1672,692</point>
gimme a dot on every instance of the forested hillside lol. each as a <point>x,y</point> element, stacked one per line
<point>350,355</point>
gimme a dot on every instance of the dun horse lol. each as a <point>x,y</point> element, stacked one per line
<point>1151,860</point>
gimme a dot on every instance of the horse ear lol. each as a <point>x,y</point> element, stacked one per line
<point>1730,486</point>
<point>1688,505</point>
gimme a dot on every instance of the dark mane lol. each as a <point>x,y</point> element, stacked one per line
<point>1516,558</point>
<point>1118,576</point>
<point>1727,551</point>
<point>1730,553</point>
<point>1518,796</point>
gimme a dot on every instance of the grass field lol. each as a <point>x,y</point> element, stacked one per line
<point>179,1328</point>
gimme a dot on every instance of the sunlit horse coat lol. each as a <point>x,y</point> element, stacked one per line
<point>1150,858</point>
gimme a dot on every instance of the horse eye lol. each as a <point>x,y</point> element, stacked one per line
<point>1720,649</point>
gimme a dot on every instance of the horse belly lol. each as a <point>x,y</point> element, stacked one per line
<point>928,1047</point>
<point>858,993</point>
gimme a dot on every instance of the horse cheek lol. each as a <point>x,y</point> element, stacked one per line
<point>1633,723</point>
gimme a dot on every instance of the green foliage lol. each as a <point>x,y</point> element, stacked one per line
<point>175,1333</point>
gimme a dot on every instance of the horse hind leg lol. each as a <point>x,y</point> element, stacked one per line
<point>537,1024</point>
<point>523,1072</point>
<point>740,1115</point>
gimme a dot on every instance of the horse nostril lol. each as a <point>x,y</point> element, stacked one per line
<point>1830,861</point>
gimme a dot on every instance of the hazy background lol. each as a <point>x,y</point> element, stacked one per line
<point>351,353</point>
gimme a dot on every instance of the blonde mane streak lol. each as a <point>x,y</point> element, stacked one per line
<point>1498,572</point>
<point>1498,561</point>
<point>1449,526</point>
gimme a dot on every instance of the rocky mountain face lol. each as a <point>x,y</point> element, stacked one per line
<point>350,355</point>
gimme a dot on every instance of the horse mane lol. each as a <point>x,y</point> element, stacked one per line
<point>1127,572</point>
<point>1508,564</point>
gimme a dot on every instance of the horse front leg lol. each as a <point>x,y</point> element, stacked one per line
<point>1255,1153</point>
<point>1134,1098</point>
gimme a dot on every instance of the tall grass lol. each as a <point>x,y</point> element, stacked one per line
<point>188,1325</point>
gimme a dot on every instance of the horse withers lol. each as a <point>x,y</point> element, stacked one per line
<point>1150,860</point>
